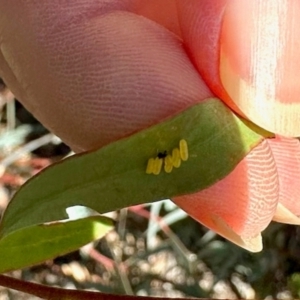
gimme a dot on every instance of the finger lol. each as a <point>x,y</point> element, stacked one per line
<point>240,206</point>
<point>286,153</point>
<point>94,78</point>
<point>248,53</point>
<point>164,13</point>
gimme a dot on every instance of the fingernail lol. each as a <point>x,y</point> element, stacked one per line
<point>284,215</point>
<point>260,62</point>
<point>253,244</point>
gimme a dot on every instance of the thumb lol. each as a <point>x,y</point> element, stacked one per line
<point>91,78</point>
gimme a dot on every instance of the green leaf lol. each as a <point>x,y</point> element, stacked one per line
<point>36,244</point>
<point>114,176</point>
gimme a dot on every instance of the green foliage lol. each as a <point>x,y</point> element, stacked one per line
<point>294,284</point>
<point>35,244</point>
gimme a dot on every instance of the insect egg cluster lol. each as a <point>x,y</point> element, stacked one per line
<point>168,161</point>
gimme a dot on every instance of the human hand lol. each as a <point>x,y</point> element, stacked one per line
<point>96,71</point>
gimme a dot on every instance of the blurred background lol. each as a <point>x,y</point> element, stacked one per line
<point>155,249</point>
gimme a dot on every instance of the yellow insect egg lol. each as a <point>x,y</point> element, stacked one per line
<point>176,160</point>
<point>158,162</point>
<point>168,166</point>
<point>150,166</point>
<point>183,149</point>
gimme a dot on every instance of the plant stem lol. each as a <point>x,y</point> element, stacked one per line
<point>53,293</point>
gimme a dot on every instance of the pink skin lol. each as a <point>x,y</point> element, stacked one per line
<point>96,71</point>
